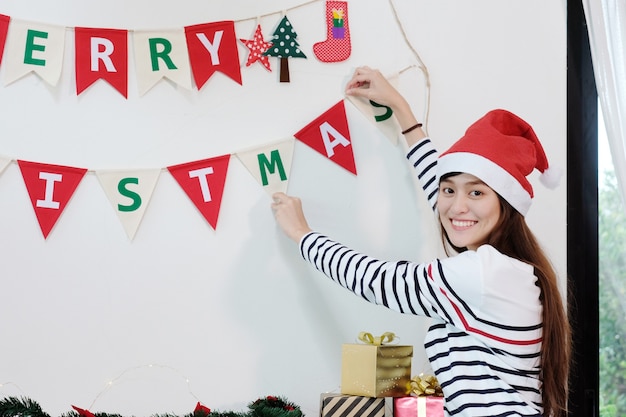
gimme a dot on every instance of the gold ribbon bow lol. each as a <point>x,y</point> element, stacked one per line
<point>386,337</point>
<point>424,385</point>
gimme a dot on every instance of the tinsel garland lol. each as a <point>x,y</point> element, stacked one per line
<point>270,406</point>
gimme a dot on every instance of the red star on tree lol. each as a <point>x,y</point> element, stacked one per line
<point>257,47</point>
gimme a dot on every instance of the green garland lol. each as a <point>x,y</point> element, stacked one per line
<point>270,406</point>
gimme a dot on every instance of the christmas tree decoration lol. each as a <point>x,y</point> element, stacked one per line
<point>329,135</point>
<point>101,54</point>
<point>4,29</point>
<point>129,193</point>
<point>203,181</point>
<point>213,47</point>
<point>162,54</point>
<point>270,165</point>
<point>257,47</point>
<point>284,46</point>
<point>269,406</point>
<point>34,47</point>
<point>337,46</point>
<point>50,188</point>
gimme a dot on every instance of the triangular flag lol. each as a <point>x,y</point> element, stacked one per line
<point>159,55</point>
<point>82,412</point>
<point>34,47</point>
<point>381,116</point>
<point>4,29</point>
<point>4,163</point>
<point>203,181</point>
<point>101,54</point>
<point>129,192</point>
<point>50,188</point>
<point>330,136</point>
<point>213,47</point>
<point>270,165</point>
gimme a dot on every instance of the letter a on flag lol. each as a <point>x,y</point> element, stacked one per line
<point>203,181</point>
<point>50,188</point>
<point>101,54</point>
<point>330,136</point>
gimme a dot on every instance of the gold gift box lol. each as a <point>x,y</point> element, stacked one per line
<point>375,371</point>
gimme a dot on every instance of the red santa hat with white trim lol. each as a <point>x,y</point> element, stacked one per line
<point>501,149</point>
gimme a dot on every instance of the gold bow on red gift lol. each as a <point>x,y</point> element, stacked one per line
<point>422,385</point>
<point>386,337</point>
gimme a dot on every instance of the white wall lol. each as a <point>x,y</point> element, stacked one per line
<point>231,314</point>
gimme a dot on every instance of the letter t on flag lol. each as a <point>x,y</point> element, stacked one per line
<point>101,54</point>
<point>203,181</point>
<point>50,188</point>
<point>330,136</point>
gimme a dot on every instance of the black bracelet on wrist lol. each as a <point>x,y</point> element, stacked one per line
<point>410,129</point>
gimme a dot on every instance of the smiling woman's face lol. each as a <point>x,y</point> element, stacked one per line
<point>468,210</point>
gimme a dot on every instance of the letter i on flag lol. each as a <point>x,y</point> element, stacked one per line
<point>330,136</point>
<point>50,188</point>
<point>101,54</point>
<point>203,181</point>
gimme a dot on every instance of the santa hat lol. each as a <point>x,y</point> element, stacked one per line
<point>502,150</point>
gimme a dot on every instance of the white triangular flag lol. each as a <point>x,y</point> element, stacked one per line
<point>34,47</point>
<point>380,115</point>
<point>129,192</point>
<point>161,54</point>
<point>270,165</point>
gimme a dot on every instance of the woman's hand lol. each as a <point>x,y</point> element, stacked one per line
<point>372,85</point>
<point>289,216</point>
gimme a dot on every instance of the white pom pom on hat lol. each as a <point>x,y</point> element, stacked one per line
<point>501,149</point>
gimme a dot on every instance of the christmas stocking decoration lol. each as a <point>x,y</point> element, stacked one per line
<point>337,46</point>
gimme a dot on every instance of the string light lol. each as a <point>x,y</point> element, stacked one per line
<point>110,384</point>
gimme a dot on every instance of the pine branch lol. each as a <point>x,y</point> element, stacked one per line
<point>24,407</point>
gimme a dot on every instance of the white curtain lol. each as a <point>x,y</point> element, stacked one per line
<point>606,25</point>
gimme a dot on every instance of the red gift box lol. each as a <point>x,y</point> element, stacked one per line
<point>425,406</point>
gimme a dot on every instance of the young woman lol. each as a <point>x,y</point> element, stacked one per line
<point>500,341</point>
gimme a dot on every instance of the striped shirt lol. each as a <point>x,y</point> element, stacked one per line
<point>485,341</point>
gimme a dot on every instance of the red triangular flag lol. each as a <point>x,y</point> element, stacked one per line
<point>213,47</point>
<point>203,181</point>
<point>201,410</point>
<point>4,28</point>
<point>50,188</point>
<point>330,136</point>
<point>101,54</point>
<point>83,413</point>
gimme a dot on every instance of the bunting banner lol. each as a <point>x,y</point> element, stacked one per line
<point>101,54</point>
<point>213,47</point>
<point>34,47</point>
<point>183,55</point>
<point>50,188</point>
<point>270,165</point>
<point>203,182</point>
<point>330,136</point>
<point>129,193</point>
<point>160,55</point>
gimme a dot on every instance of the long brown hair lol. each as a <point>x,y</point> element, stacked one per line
<point>512,237</point>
